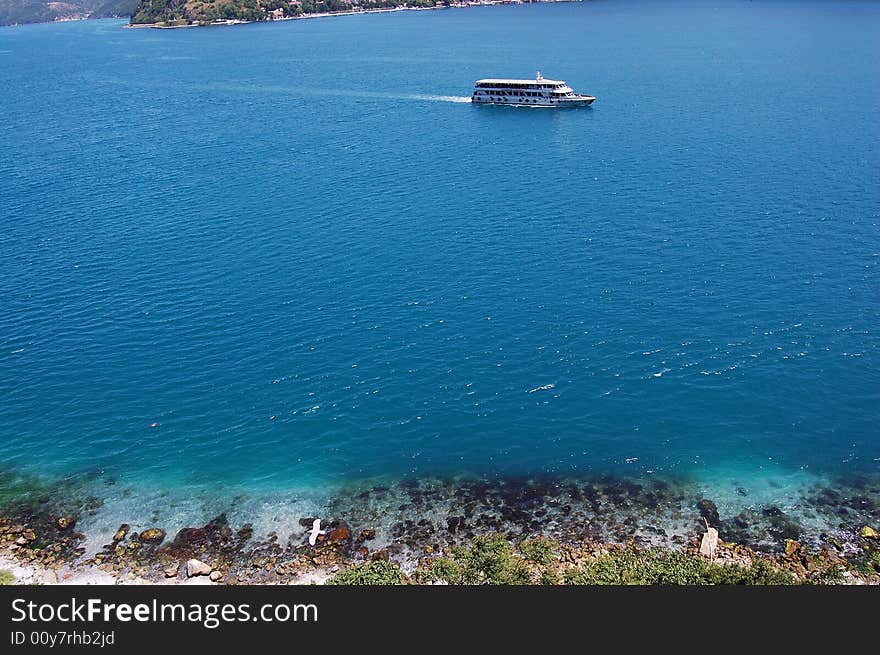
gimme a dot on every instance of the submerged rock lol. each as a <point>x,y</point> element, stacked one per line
<point>340,535</point>
<point>245,532</point>
<point>121,532</point>
<point>782,527</point>
<point>216,533</point>
<point>153,535</point>
<point>709,511</point>
<point>366,535</point>
<point>65,522</point>
<point>454,523</point>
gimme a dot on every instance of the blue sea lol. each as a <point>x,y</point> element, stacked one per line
<point>254,265</point>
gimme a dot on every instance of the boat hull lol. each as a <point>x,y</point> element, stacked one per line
<point>579,101</point>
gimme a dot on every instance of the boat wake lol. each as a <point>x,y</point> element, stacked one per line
<point>432,98</point>
<point>294,91</point>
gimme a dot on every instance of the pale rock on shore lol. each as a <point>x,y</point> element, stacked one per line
<point>29,574</point>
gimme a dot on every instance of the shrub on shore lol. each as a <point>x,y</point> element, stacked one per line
<point>490,560</point>
<point>376,573</point>
<point>666,567</point>
<point>540,550</point>
<point>6,577</point>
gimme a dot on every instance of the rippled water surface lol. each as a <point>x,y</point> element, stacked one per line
<point>273,259</point>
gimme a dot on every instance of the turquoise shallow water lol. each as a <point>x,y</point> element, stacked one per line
<point>299,251</point>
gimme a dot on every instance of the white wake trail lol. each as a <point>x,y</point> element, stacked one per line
<point>436,98</point>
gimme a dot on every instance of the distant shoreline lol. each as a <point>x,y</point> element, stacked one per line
<point>76,17</point>
<point>329,14</point>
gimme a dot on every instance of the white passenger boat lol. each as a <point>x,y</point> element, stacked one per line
<point>538,92</point>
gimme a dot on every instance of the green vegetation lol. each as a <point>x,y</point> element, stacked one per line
<point>665,567</point>
<point>490,560</point>
<point>183,12</point>
<point>390,4</point>
<point>379,572</point>
<point>539,550</point>
<point>111,8</point>
<point>867,562</point>
<point>6,577</point>
<point>159,11</point>
<point>14,12</point>
<point>289,8</point>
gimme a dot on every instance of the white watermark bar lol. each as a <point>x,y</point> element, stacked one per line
<point>210,615</point>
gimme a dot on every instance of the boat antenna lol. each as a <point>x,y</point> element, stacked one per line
<point>538,76</point>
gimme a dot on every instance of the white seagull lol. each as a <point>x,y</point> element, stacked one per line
<point>315,531</point>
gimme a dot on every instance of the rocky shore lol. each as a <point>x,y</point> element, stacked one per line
<point>517,531</point>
